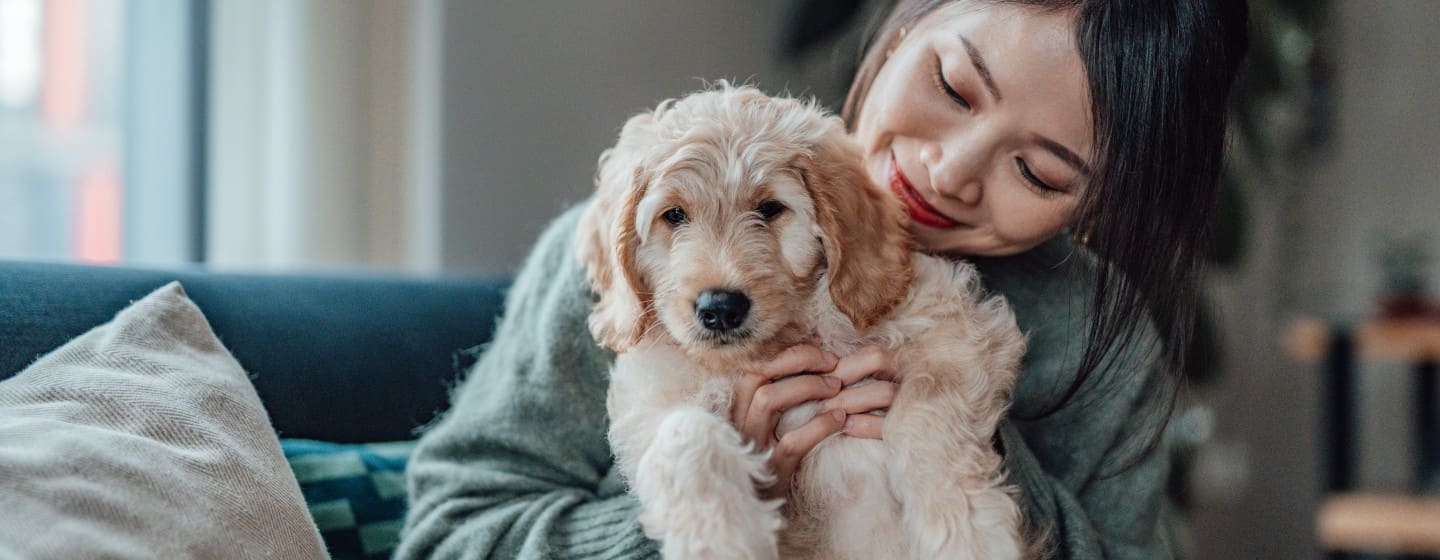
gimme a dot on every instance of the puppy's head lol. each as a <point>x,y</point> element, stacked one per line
<point>718,215</point>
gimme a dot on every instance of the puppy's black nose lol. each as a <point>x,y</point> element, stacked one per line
<point>721,310</point>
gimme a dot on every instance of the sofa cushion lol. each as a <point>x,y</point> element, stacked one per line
<point>356,493</point>
<point>143,438</point>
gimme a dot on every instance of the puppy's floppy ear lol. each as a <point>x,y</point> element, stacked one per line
<point>606,241</point>
<point>867,249</point>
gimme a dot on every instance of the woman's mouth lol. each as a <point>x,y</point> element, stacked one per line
<point>920,211</point>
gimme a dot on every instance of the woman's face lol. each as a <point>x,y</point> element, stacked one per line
<point>979,122</point>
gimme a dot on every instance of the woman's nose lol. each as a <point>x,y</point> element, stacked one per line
<point>956,173</point>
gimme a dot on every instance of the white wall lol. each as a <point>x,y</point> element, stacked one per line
<point>433,135</point>
<point>1384,172</point>
<point>534,91</point>
<point>318,119</point>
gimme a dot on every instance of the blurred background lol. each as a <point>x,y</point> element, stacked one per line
<point>432,137</point>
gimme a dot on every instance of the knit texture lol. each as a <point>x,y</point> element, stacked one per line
<point>144,438</point>
<point>519,467</point>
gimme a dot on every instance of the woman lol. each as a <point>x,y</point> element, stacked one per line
<point>1069,147</point>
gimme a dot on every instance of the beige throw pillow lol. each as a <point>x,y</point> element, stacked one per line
<point>144,438</point>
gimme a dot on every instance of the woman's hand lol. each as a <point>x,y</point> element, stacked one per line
<point>762,396</point>
<point>871,362</point>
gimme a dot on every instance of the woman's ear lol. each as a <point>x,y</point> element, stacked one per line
<point>867,249</point>
<point>606,242</point>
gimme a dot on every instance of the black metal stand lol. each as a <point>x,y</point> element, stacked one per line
<point>1339,413</point>
<point>1338,419</point>
<point>1339,424</point>
<point>1427,423</point>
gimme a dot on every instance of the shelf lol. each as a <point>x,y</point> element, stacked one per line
<point>1400,340</point>
<point>1380,523</point>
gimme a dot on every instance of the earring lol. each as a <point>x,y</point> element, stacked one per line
<point>896,43</point>
<point>1080,235</point>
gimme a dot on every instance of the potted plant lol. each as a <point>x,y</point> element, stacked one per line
<point>1404,262</point>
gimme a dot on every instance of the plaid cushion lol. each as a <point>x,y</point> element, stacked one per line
<point>356,493</point>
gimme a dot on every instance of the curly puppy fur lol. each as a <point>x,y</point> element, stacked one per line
<point>687,204</point>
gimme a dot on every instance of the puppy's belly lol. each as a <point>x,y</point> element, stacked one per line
<point>843,506</point>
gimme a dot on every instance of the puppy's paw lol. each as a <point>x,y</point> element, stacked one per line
<point>964,523</point>
<point>696,485</point>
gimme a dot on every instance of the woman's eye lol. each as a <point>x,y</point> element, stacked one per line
<point>1033,180</point>
<point>770,209</point>
<point>675,216</point>
<point>944,86</point>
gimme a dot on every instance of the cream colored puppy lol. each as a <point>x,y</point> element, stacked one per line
<point>729,225</point>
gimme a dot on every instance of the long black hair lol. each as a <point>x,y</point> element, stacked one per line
<point>1159,74</point>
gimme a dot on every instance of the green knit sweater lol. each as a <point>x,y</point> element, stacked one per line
<point>519,467</point>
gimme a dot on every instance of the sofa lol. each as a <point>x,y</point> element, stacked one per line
<point>347,365</point>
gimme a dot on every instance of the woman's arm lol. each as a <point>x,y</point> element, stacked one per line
<point>520,467</point>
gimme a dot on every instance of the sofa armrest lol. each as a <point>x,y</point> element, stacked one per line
<point>340,357</point>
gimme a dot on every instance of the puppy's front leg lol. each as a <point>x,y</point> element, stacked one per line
<point>696,484</point>
<point>946,474</point>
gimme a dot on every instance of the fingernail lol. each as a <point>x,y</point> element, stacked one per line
<point>839,416</point>
<point>831,357</point>
<point>848,424</point>
<point>831,382</point>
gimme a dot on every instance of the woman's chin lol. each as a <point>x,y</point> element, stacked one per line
<point>957,243</point>
<point>937,241</point>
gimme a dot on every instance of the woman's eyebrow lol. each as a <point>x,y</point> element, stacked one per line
<point>1063,153</point>
<point>980,67</point>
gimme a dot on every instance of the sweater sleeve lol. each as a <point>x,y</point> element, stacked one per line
<point>520,466</point>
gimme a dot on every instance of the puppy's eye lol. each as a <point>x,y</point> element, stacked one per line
<point>675,216</point>
<point>770,209</point>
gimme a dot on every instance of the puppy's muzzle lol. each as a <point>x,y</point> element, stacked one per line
<point>721,310</point>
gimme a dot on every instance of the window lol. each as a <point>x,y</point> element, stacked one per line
<point>98,129</point>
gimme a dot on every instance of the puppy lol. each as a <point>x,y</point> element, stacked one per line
<point>729,225</point>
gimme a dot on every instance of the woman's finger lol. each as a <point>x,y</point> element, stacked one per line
<point>774,398</point>
<point>869,361</point>
<point>791,361</point>
<point>743,393</point>
<point>798,359</point>
<point>864,426</point>
<point>865,398</point>
<point>789,450</point>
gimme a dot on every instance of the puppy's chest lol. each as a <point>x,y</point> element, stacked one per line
<point>893,336</point>
<point>839,493</point>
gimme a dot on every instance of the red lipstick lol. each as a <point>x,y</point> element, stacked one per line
<point>920,210</point>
